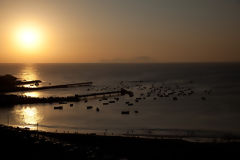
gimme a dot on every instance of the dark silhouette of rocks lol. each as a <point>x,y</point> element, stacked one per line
<point>10,83</point>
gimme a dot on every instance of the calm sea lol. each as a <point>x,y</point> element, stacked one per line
<point>218,83</point>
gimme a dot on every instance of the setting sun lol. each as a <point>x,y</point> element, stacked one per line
<point>28,38</point>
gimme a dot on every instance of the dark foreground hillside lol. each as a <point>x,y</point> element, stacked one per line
<point>29,145</point>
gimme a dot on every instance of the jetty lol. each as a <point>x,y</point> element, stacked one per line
<point>121,92</point>
<point>21,89</point>
<point>9,83</point>
<point>36,82</point>
<point>15,99</point>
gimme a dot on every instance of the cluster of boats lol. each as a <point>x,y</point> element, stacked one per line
<point>144,91</point>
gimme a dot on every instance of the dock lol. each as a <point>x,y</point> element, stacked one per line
<point>15,99</point>
<point>28,82</point>
<point>20,89</point>
<point>121,92</point>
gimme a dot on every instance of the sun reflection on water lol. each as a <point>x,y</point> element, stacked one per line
<point>28,117</point>
<point>31,94</point>
<point>28,73</point>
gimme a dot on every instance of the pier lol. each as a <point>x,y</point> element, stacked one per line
<point>28,82</point>
<point>121,92</point>
<point>20,89</point>
<point>14,99</point>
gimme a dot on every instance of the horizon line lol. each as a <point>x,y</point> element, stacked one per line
<point>119,62</point>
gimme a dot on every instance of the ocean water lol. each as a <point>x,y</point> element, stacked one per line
<point>218,111</point>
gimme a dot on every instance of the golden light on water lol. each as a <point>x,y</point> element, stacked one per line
<point>31,94</point>
<point>28,73</point>
<point>28,116</point>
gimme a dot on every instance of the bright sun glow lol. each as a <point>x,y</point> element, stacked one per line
<point>29,38</point>
<point>31,94</point>
<point>28,115</point>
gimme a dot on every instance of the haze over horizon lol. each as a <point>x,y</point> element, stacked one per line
<point>72,31</point>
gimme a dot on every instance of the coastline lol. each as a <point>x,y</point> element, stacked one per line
<point>91,146</point>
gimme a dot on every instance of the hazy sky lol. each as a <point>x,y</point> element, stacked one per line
<point>123,30</point>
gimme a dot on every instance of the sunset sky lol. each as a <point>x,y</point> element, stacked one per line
<point>116,31</point>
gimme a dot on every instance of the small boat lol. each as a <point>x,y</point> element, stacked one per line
<point>97,109</point>
<point>203,98</point>
<point>58,107</point>
<point>175,98</point>
<point>89,107</point>
<point>125,112</point>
